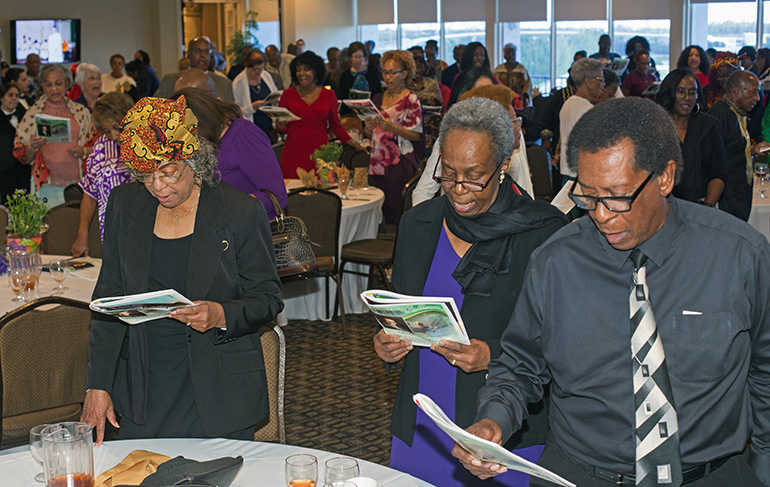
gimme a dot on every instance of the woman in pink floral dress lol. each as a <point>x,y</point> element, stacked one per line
<point>398,135</point>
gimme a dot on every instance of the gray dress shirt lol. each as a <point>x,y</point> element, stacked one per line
<point>709,280</point>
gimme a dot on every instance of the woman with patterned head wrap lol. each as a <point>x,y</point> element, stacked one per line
<point>724,64</point>
<point>199,372</point>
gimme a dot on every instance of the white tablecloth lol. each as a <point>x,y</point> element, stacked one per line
<point>760,210</point>
<point>304,300</point>
<point>80,289</point>
<point>263,463</point>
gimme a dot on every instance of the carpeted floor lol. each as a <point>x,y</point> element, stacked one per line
<point>339,396</point>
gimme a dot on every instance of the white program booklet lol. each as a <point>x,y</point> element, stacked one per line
<point>484,450</point>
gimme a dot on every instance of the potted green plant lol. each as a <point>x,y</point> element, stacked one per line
<point>26,228</point>
<point>240,39</point>
<point>326,158</point>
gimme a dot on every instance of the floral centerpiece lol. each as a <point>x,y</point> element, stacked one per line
<point>326,158</point>
<point>25,227</point>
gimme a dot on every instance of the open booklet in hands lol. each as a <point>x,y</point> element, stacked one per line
<point>138,308</point>
<point>484,450</point>
<point>423,320</point>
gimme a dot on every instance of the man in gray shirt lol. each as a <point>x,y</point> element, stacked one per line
<point>708,283</point>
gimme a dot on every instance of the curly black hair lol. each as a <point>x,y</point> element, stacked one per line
<point>311,60</point>
<point>630,49</point>
<point>704,59</point>
<point>647,125</point>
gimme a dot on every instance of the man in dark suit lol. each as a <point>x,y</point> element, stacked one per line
<point>449,74</point>
<point>731,112</point>
<point>199,53</point>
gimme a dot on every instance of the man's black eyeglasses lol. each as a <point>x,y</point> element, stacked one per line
<point>618,204</point>
<point>468,185</point>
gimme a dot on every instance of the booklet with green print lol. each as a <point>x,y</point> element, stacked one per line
<point>421,319</point>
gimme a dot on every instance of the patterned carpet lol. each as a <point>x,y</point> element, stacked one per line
<point>339,396</point>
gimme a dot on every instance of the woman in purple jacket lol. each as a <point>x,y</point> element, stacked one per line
<point>246,158</point>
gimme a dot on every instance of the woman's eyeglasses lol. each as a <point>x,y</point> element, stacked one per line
<point>468,185</point>
<point>149,178</point>
<point>683,93</point>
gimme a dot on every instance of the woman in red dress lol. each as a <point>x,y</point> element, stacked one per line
<point>317,108</point>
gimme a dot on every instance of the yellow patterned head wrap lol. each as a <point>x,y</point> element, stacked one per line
<point>157,130</point>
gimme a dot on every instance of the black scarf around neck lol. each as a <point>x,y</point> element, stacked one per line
<point>490,234</point>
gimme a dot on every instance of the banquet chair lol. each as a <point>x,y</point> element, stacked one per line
<point>278,149</point>
<point>73,192</point>
<point>321,210</point>
<point>377,253</point>
<point>63,221</point>
<point>540,169</point>
<point>274,352</point>
<point>43,361</point>
<point>5,216</point>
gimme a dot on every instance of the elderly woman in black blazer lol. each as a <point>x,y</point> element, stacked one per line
<point>199,372</point>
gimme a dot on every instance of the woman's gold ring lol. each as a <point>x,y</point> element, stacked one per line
<point>454,361</point>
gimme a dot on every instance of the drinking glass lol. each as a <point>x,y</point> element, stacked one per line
<point>341,468</point>
<point>340,483</point>
<point>760,169</point>
<point>36,448</point>
<point>343,183</point>
<point>58,271</point>
<point>301,470</point>
<point>13,283</point>
<point>25,269</point>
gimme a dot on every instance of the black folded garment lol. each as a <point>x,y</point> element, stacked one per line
<point>220,472</point>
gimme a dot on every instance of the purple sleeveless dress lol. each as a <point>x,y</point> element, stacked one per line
<point>429,458</point>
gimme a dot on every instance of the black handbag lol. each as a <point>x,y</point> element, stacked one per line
<point>182,471</point>
<point>293,253</point>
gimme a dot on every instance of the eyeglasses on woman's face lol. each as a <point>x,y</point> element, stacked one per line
<point>167,174</point>
<point>468,185</point>
<point>684,93</point>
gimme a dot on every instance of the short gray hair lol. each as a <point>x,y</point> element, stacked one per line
<point>82,70</point>
<point>483,116</point>
<point>52,68</point>
<point>583,68</point>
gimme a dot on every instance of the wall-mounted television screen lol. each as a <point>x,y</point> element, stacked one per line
<point>54,40</point>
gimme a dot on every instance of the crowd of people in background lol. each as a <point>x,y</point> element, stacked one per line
<point>309,84</point>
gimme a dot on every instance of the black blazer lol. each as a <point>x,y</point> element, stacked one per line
<point>232,263</point>
<point>7,134</point>
<point>737,196</point>
<point>485,317</point>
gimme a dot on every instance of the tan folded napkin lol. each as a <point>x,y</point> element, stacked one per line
<point>132,470</point>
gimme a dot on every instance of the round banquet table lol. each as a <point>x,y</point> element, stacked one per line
<point>263,463</point>
<point>80,283</point>
<point>361,214</point>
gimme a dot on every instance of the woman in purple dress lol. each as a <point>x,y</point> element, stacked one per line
<point>104,170</point>
<point>472,244</point>
<point>246,158</point>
